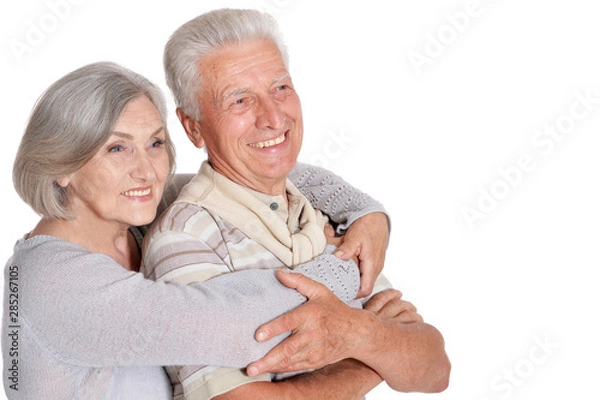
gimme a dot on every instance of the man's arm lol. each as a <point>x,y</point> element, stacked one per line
<point>408,356</point>
<point>345,380</point>
<point>348,379</point>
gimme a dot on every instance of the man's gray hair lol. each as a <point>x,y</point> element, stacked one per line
<point>204,34</point>
<point>70,122</point>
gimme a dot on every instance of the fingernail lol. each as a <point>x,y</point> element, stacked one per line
<point>261,335</point>
<point>252,371</point>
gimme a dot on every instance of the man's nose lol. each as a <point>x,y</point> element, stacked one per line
<point>270,115</point>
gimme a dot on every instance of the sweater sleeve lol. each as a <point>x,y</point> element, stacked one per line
<point>86,310</point>
<point>328,192</point>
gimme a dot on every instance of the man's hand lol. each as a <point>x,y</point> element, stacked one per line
<point>367,239</point>
<point>389,306</point>
<point>409,356</point>
<point>324,330</point>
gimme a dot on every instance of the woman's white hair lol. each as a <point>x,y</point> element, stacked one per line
<point>204,34</point>
<point>70,122</point>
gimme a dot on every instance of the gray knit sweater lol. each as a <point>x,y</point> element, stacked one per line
<point>79,326</point>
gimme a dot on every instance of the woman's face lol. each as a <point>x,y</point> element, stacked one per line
<point>123,182</point>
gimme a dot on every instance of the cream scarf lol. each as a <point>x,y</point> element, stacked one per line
<point>293,242</point>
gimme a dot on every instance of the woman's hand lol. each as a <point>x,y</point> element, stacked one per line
<point>366,240</point>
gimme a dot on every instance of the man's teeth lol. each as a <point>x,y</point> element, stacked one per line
<point>137,193</point>
<point>269,143</point>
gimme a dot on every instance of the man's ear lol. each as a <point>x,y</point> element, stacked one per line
<point>191,127</point>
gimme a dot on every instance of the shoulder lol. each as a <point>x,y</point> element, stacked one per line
<point>182,229</point>
<point>48,250</point>
<point>182,217</point>
<point>52,253</point>
<point>47,265</point>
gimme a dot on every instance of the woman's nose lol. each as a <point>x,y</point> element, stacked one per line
<point>142,167</point>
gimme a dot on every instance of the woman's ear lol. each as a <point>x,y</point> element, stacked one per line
<point>64,181</point>
<point>191,127</point>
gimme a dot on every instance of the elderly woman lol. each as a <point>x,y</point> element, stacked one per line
<point>80,321</point>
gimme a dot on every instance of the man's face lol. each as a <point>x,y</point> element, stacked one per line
<point>251,119</point>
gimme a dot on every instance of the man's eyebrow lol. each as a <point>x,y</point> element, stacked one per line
<point>244,90</point>
<point>234,92</point>
<point>281,78</point>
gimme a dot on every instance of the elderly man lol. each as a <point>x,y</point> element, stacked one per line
<point>236,98</point>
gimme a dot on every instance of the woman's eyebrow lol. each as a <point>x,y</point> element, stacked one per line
<point>128,136</point>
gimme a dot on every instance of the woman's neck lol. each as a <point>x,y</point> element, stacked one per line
<point>113,240</point>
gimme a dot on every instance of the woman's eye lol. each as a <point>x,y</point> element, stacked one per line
<point>158,143</point>
<point>116,149</point>
<point>240,101</point>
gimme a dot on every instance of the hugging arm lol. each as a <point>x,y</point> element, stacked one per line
<point>361,220</point>
<point>197,253</point>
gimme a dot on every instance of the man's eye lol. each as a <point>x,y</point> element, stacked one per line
<point>239,104</point>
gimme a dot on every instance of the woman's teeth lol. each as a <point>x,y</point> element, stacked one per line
<point>137,193</point>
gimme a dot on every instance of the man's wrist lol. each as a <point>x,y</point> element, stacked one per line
<point>366,331</point>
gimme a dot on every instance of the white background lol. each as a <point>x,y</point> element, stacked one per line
<point>513,293</point>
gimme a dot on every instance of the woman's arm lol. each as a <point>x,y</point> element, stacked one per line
<point>360,218</point>
<point>87,310</point>
<point>328,192</point>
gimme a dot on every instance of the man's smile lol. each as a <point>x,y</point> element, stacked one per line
<point>269,143</point>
